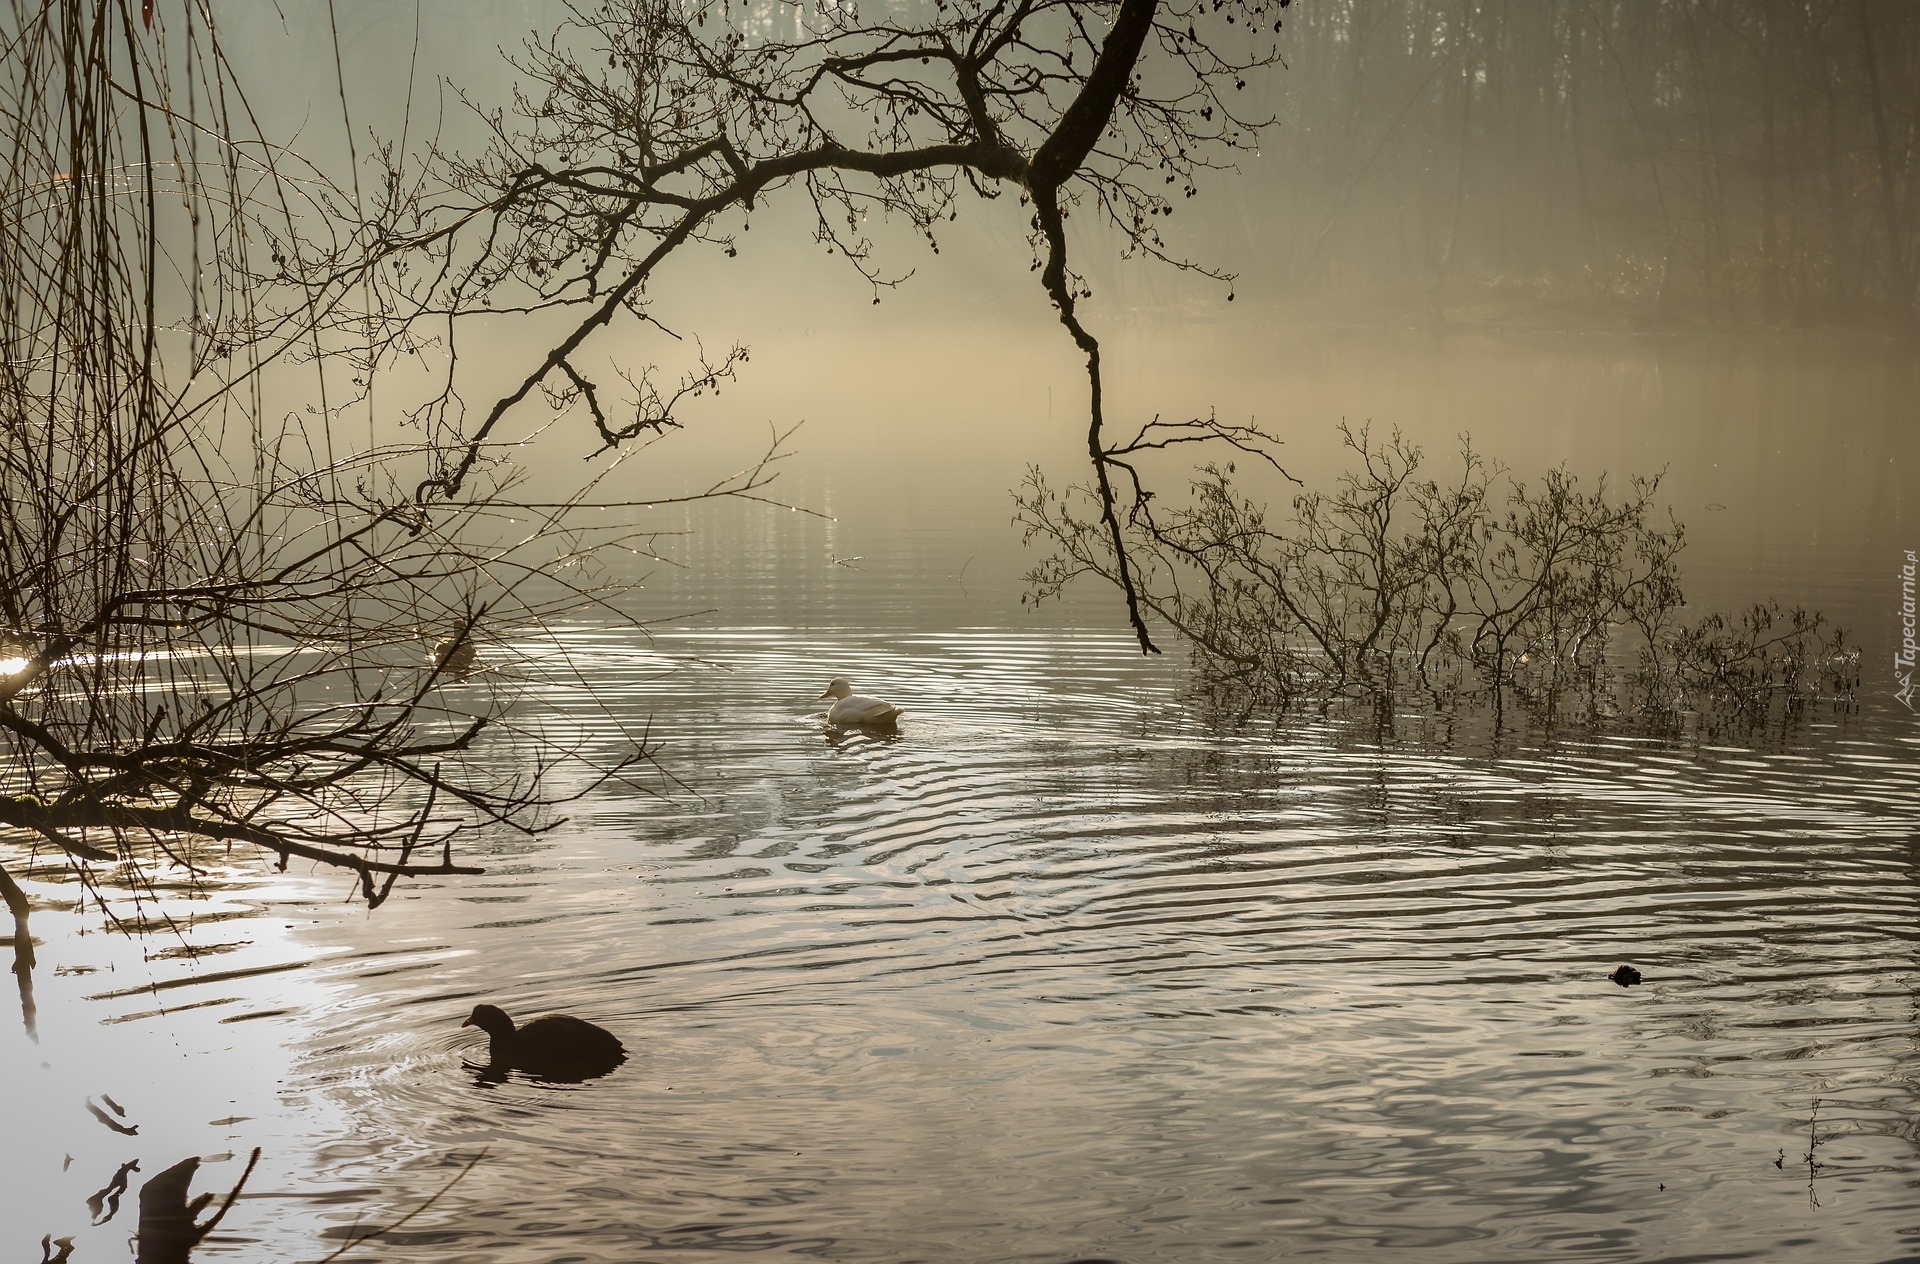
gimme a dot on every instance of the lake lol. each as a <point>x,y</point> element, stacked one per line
<point>1069,971</point>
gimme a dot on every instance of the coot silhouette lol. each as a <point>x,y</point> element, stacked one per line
<point>453,655</point>
<point>558,1046</point>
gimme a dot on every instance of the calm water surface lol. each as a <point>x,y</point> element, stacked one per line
<point>1065,972</point>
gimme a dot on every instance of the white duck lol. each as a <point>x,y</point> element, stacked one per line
<point>850,708</point>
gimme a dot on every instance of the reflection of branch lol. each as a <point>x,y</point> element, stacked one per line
<point>431,1200</point>
<point>252,1161</point>
<point>125,1130</point>
<point>1813,1144</point>
<point>168,1231</point>
<point>105,1204</point>
<point>16,901</point>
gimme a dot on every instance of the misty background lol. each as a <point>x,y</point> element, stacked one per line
<point>1628,237</point>
<point>1638,162</point>
<point>1624,236</point>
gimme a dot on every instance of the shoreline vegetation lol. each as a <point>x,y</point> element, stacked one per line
<point>1400,590</point>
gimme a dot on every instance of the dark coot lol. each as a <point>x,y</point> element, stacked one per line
<point>558,1045</point>
<point>1625,976</point>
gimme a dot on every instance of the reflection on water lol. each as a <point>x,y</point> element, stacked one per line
<point>1060,973</point>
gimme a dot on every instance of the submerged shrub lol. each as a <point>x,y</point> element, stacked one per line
<point>1402,589</point>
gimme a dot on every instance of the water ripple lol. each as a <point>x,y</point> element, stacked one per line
<point>1063,973</point>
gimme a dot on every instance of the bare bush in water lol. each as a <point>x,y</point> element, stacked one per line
<point>1395,586</point>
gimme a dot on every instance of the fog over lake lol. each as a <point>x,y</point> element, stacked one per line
<point>1089,956</point>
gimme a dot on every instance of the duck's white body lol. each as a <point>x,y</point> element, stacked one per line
<point>851,708</point>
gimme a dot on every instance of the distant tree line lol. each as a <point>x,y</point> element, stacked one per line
<point>1726,160</point>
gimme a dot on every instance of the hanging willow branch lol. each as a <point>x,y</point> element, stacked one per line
<point>223,616</point>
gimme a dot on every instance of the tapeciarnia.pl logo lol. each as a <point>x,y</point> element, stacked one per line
<point>1903,658</point>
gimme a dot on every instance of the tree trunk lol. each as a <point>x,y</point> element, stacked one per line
<point>1435,300</point>
<point>1899,268</point>
<point>1770,267</point>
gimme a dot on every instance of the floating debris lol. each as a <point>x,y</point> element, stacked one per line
<point>453,655</point>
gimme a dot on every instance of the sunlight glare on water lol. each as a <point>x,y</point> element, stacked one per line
<point>1064,974</point>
